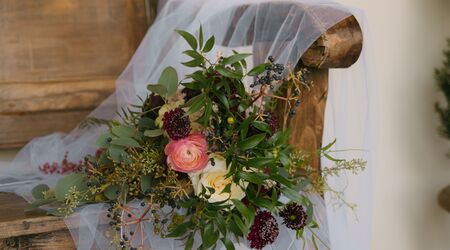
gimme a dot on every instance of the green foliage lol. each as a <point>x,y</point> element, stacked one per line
<point>64,185</point>
<point>443,78</point>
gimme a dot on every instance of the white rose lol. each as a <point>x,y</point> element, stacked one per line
<point>214,177</point>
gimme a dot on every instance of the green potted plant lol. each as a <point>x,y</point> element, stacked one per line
<point>443,78</point>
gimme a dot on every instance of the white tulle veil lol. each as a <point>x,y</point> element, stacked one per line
<point>238,25</point>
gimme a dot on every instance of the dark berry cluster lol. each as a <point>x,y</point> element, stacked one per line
<point>264,230</point>
<point>272,73</point>
<point>176,124</point>
<point>294,216</point>
<point>272,120</point>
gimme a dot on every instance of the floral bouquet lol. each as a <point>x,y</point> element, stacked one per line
<point>207,158</point>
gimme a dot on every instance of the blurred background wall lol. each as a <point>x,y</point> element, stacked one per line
<point>408,37</point>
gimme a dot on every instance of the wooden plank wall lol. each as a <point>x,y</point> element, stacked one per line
<point>60,59</point>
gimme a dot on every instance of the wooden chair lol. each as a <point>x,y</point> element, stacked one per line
<point>46,87</point>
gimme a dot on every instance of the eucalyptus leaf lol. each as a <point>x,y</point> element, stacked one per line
<point>65,183</point>
<point>112,192</point>
<point>169,79</point>
<point>116,152</point>
<point>158,89</point>
<point>146,183</point>
<point>38,191</point>
<point>38,203</point>
<point>123,131</point>
<point>103,141</point>
<point>126,142</point>
<point>153,132</point>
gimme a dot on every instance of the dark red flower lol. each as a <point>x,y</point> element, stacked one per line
<point>176,124</point>
<point>264,230</point>
<point>294,216</point>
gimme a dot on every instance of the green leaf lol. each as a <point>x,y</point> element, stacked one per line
<point>146,183</point>
<point>234,228</point>
<point>180,230</point>
<point>190,39</point>
<point>260,162</point>
<point>196,106</point>
<point>153,132</point>
<point>193,63</point>
<point>210,236</point>
<point>189,242</point>
<point>169,79</point>
<point>291,194</point>
<point>126,142</point>
<point>251,142</point>
<point>38,191</point>
<point>103,141</point>
<point>262,126</point>
<point>227,73</point>
<point>258,69</point>
<point>158,89</point>
<point>240,224</point>
<point>222,99</point>
<point>209,45</point>
<point>221,224</point>
<point>194,54</point>
<point>38,203</point>
<point>111,192</point>
<point>246,212</point>
<point>146,123</point>
<point>197,98</point>
<point>200,37</point>
<point>227,243</point>
<point>256,178</point>
<point>235,58</point>
<point>282,180</point>
<point>329,145</point>
<point>65,183</point>
<point>123,131</point>
<point>116,152</point>
<point>207,114</point>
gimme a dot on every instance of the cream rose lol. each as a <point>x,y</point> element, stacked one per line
<point>214,177</point>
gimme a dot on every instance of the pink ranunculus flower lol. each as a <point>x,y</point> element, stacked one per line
<point>187,155</point>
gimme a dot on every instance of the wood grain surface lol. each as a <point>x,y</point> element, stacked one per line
<point>60,59</point>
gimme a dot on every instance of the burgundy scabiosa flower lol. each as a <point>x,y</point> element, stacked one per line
<point>176,124</point>
<point>264,230</point>
<point>294,216</point>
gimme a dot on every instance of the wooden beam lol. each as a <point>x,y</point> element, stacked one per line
<point>339,47</point>
<point>17,129</point>
<point>22,98</point>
